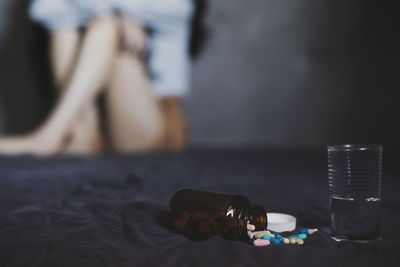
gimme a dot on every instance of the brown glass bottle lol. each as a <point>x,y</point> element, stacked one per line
<point>202,214</point>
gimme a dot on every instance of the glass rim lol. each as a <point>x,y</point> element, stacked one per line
<point>354,147</point>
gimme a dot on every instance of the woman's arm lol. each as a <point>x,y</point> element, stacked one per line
<point>133,36</point>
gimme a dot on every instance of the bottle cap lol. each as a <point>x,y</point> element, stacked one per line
<point>280,222</point>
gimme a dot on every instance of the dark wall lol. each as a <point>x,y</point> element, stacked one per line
<point>274,72</point>
<point>298,73</point>
<point>25,91</point>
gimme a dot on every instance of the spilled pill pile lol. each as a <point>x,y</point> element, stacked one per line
<point>265,238</point>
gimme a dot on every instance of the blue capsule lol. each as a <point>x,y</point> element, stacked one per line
<point>304,231</point>
<point>300,236</point>
<point>278,236</point>
<point>275,240</point>
<point>267,237</point>
<point>308,231</point>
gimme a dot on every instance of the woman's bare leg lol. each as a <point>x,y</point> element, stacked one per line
<point>95,61</point>
<point>137,120</point>
<point>134,118</point>
<point>85,137</point>
<point>64,51</point>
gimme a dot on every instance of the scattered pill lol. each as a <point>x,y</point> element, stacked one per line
<point>308,231</point>
<point>311,231</point>
<point>275,240</point>
<point>267,237</point>
<point>304,231</point>
<point>301,236</point>
<point>251,227</point>
<point>279,237</point>
<point>261,243</point>
<point>260,234</point>
<point>250,234</point>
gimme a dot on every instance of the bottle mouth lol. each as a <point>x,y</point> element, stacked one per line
<point>354,147</point>
<point>280,222</point>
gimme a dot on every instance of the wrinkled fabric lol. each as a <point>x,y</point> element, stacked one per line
<point>113,210</point>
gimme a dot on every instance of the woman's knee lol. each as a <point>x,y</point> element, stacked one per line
<point>128,66</point>
<point>127,59</point>
<point>107,23</point>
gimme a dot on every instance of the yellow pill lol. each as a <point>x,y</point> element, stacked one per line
<point>299,241</point>
<point>286,240</point>
<point>271,235</point>
<point>292,241</point>
<point>260,234</point>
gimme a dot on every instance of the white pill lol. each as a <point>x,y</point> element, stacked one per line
<point>250,234</point>
<point>311,231</point>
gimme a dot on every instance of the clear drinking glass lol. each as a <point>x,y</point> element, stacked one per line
<point>355,178</point>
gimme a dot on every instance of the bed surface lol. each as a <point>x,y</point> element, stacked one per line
<point>113,210</point>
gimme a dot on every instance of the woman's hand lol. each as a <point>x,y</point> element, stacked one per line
<point>133,37</point>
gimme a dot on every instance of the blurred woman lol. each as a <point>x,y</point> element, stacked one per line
<point>136,52</point>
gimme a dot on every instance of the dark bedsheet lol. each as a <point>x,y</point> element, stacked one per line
<point>112,211</point>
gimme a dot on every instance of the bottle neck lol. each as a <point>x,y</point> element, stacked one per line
<point>240,216</point>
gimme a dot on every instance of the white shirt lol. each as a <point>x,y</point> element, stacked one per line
<point>169,61</point>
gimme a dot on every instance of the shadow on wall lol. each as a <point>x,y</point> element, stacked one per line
<point>25,87</point>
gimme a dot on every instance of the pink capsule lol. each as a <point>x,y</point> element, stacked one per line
<point>251,227</point>
<point>261,243</point>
